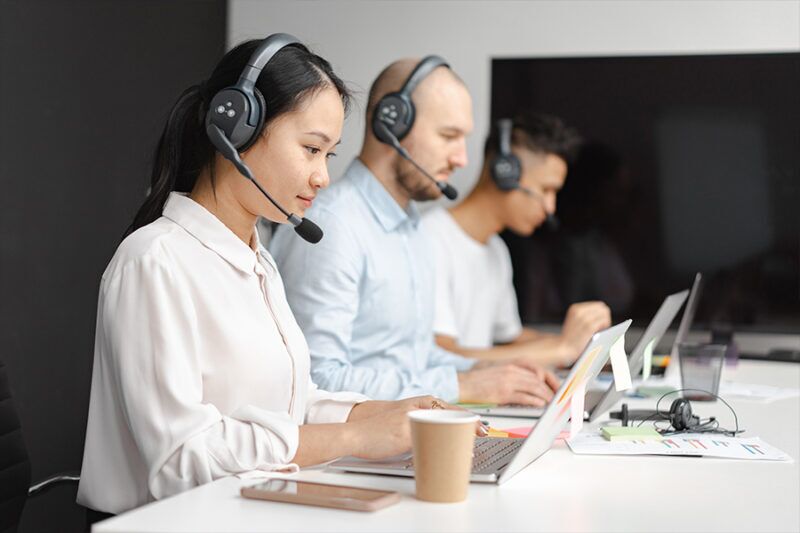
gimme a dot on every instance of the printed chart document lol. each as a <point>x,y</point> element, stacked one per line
<point>701,444</point>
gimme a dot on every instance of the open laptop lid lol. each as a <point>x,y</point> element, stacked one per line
<point>655,330</point>
<point>588,365</point>
<point>673,372</point>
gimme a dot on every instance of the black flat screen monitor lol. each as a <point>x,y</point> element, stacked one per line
<point>690,164</point>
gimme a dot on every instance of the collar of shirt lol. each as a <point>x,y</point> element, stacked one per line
<point>384,208</point>
<point>212,233</point>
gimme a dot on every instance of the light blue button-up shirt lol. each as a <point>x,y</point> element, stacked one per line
<point>364,295</point>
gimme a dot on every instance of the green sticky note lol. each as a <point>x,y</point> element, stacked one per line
<point>630,433</point>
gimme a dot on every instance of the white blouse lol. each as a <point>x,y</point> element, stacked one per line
<point>200,370</point>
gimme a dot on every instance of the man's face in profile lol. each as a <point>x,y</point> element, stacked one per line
<point>544,176</point>
<point>437,141</point>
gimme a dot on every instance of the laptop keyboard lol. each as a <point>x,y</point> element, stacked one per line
<point>492,454</point>
<point>489,455</point>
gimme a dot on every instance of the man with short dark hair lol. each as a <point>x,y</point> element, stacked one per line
<point>476,306</point>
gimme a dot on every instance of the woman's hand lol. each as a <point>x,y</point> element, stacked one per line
<point>382,436</point>
<point>382,429</point>
<point>424,402</point>
<point>375,407</point>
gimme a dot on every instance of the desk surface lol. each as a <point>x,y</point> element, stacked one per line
<point>558,492</point>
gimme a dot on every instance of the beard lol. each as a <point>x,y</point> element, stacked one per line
<point>417,185</point>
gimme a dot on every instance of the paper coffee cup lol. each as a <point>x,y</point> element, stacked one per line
<point>442,441</point>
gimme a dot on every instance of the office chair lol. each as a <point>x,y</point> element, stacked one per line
<point>15,466</point>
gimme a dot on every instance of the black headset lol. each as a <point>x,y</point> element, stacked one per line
<point>393,117</point>
<point>395,112</point>
<point>682,420</point>
<point>239,110</point>
<point>506,168</point>
<point>680,415</point>
<point>235,119</point>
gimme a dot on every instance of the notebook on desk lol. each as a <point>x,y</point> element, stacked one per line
<point>495,460</point>
<point>599,401</point>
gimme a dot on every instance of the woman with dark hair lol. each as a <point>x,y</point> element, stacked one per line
<point>200,370</point>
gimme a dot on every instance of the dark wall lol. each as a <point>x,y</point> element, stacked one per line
<point>84,91</point>
<point>691,163</point>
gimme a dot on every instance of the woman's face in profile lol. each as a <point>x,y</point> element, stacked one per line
<point>290,160</point>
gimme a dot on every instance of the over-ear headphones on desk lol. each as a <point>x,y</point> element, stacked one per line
<point>680,416</point>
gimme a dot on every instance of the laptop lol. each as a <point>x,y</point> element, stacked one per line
<point>673,373</point>
<point>496,460</point>
<point>598,402</point>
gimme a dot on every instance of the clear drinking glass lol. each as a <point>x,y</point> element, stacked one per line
<point>701,369</point>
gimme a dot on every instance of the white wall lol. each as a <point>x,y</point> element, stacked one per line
<point>359,38</point>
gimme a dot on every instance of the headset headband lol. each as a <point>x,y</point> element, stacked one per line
<point>423,68</point>
<point>268,48</point>
<point>504,127</point>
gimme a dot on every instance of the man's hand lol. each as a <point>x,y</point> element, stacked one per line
<point>519,382</point>
<point>582,321</point>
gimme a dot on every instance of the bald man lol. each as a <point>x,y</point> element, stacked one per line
<point>363,296</point>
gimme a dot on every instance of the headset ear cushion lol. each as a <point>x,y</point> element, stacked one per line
<point>262,107</point>
<point>506,171</point>
<point>680,414</point>
<point>396,112</point>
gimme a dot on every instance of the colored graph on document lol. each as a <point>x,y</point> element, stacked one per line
<point>696,443</point>
<point>753,448</point>
<point>690,444</point>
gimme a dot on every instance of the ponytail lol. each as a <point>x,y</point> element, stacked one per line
<point>182,152</point>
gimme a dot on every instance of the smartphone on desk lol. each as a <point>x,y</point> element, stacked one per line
<point>308,493</point>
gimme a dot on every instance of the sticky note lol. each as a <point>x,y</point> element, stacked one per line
<point>497,433</point>
<point>576,414</point>
<point>619,364</point>
<point>518,433</point>
<point>524,431</point>
<point>630,433</point>
<point>648,359</point>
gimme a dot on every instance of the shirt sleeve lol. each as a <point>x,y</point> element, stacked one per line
<point>507,324</point>
<point>330,407</point>
<point>442,375</point>
<point>149,337</point>
<point>444,316</point>
<point>325,300</point>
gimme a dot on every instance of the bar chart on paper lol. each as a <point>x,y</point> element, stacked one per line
<point>683,444</point>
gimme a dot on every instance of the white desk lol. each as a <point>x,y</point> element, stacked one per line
<point>558,492</point>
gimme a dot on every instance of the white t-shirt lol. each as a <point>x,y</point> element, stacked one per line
<point>200,370</point>
<point>475,299</point>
